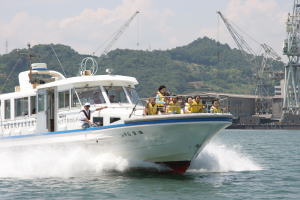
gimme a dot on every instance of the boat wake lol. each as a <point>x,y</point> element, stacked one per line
<point>220,158</point>
<point>43,162</point>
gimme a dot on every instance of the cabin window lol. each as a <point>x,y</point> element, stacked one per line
<point>92,95</point>
<point>7,109</point>
<point>75,101</point>
<point>98,121</point>
<point>116,94</point>
<point>33,105</point>
<point>133,95</point>
<point>63,99</point>
<point>114,119</point>
<point>41,102</point>
<point>21,107</point>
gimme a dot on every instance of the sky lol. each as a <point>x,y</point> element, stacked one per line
<point>86,25</point>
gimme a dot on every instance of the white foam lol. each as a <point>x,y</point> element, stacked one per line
<point>62,162</point>
<point>41,162</point>
<point>220,158</point>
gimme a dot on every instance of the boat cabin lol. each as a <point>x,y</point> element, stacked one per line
<point>46,101</point>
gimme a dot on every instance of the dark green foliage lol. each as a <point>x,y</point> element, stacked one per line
<point>203,65</point>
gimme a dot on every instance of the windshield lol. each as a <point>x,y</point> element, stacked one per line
<point>116,94</point>
<point>133,95</point>
<point>92,95</point>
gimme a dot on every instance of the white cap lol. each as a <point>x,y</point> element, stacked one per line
<point>87,104</point>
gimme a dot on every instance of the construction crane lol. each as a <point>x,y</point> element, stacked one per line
<point>292,51</point>
<point>262,69</point>
<point>243,46</point>
<point>265,75</point>
<point>89,65</point>
<point>268,54</point>
<point>117,35</point>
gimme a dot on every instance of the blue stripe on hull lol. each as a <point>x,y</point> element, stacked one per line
<point>224,119</point>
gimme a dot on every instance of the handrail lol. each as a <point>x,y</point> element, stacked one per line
<point>183,104</point>
<point>134,108</point>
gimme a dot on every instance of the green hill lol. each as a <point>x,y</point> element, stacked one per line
<point>203,65</point>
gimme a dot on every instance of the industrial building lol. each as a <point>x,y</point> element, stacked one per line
<point>245,108</point>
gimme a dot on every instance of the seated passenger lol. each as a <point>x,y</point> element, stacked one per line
<point>215,108</point>
<point>85,115</point>
<point>197,106</point>
<point>188,105</point>
<point>151,107</point>
<point>174,106</point>
<point>181,102</point>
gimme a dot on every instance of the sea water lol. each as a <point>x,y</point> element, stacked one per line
<point>237,164</point>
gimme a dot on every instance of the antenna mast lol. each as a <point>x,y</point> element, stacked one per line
<point>30,56</point>
<point>6,47</point>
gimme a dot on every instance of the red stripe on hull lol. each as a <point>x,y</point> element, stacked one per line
<point>179,167</point>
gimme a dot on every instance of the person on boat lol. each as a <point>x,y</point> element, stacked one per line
<point>197,106</point>
<point>97,98</point>
<point>85,115</point>
<point>215,108</point>
<point>160,98</point>
<point>151,107</point>
<point>174,106</point>
<point>188,105</point>
<point>112,99</point>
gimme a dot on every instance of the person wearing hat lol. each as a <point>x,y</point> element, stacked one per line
<point>85,115</point>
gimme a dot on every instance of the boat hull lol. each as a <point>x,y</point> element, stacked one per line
<point>173,140</point>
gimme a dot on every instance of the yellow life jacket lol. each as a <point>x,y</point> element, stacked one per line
<point>160,98</point>
<point>151,110</point>
<point>188,107</point>
<point>174,108</point>
<point>215,110</point>
<point>196,107</point>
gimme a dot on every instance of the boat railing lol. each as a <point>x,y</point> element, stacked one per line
<point>181,106</point>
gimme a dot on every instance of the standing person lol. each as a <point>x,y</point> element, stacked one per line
<point>85,115</point>
<point>215,108</point>
<point>151,107</point>
<point>160,98</point>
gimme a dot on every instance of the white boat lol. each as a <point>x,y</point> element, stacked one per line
<point>45,107</point>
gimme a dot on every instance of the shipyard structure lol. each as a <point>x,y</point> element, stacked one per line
<point>246,109</point>
<point>269,106</point>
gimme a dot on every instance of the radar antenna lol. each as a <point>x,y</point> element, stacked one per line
<point>88,66</point>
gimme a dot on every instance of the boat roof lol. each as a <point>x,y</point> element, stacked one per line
<point>20,94</point>
<point>79,81</point>
<point>104,80</point>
